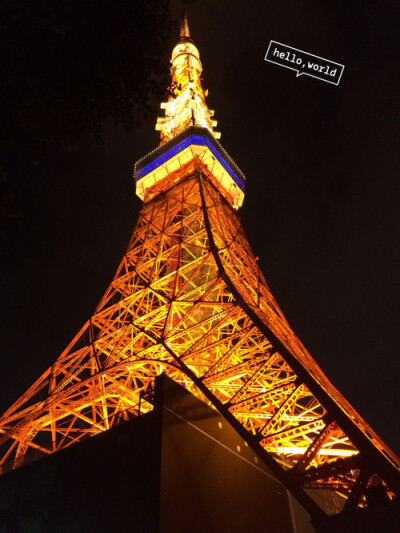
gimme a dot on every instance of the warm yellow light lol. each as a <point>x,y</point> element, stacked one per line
<point>186,104</point>
<point>323,451</point>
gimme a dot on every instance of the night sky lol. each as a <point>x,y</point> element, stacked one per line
<point>321,205</point>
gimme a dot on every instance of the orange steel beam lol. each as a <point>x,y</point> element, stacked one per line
<point>183,315</point>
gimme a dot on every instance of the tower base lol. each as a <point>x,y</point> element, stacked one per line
<point>178,468</point>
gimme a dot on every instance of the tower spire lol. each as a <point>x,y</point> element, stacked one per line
<point>185,26</point>
<point>186,105</point>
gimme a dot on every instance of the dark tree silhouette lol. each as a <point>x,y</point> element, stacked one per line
<point>69,65</point>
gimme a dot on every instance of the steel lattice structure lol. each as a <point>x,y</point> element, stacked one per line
<point>190,300</point>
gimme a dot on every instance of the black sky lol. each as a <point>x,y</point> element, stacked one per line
<point>321,206</point>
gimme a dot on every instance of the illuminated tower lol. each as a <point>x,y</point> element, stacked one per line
<point>188,299</point>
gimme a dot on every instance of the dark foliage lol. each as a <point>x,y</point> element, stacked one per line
<point>69,65</point>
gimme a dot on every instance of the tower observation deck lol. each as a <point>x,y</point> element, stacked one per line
<point>189,300</point>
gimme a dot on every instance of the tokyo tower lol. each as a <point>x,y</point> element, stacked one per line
<point>189,300</point>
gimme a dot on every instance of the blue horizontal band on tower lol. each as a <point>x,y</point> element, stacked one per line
<point>193,139</point>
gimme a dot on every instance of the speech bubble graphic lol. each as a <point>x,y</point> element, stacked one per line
<point>304,63</point>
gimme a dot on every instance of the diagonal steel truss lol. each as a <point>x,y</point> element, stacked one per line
<point>189,299</point>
